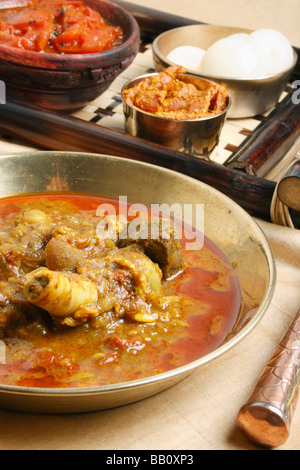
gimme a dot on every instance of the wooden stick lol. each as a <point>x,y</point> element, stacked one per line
<point>63,132</point>
<point>153,22</point>
<point>270,141</point>
<point>289,187</point>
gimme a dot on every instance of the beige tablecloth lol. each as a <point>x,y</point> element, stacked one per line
<point>200,412</point>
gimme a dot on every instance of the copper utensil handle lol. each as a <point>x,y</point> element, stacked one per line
<point>266,417</point>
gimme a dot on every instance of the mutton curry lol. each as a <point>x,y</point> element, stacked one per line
<point>84,307</point>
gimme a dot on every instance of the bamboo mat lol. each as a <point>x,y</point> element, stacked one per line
<point>107,111</point>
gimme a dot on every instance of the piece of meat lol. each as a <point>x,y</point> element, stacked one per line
<point>145,274</point>
<point>219,101</point>
<point>157,237</point>
<point>61,256</point>
<point>99,285</point>
<point>65,296</point>
<point>14,308</point>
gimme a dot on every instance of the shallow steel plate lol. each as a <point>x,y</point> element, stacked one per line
<point>225,223</point>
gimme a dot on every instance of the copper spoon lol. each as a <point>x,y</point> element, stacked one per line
<point>267,416</point>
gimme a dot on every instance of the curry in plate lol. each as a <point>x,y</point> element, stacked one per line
<point>86,301</point>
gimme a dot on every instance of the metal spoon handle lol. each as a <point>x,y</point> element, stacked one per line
<point>266,417</point>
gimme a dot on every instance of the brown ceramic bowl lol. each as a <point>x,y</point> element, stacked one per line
<point>68,82</point>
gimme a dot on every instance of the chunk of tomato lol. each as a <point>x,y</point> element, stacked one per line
<point>84,37</point>
<point>27,18</point>
<point>37,40</point>
<point>100,40</point>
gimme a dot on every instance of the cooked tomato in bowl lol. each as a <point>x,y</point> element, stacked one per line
<point>59,27</point>
<point>63,54</point>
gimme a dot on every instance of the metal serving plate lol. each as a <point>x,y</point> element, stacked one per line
<point>225,223</point>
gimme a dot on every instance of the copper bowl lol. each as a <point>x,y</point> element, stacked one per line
<point>226,224</point>
<point>250,97</point>
<point>196,137</point>
<point>69,82</point>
